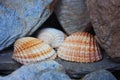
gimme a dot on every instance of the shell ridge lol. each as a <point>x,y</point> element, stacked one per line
<point>79,47</point>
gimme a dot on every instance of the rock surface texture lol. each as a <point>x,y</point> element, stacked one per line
<point>73,69</point>
<point>99,75</point>
<point>73,15</point>
<point>53,75</point>
<point>105,17</point>
<point>20,18</point>
<point>36,71</point>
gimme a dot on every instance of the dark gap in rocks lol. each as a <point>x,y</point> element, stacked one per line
<point>5,72</point>
<point>90,29</point>
<point>116,74</point>
<point>51,22</point>
<point>10,47</point>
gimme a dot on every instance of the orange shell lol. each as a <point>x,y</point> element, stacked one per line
<point>80,47</point>
<point>29,50</point>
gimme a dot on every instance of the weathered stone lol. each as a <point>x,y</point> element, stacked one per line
<point>105,18</point>
<point>73,15</point>
<point>74,70</point>
<point>53,75</point>
<point>6,61</point>
<point>1,78</point>
<point>20,18</point>
<point>99,75</point>
<point>28,72</point>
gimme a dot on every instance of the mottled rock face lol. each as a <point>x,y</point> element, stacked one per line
<point>105,17</point>
<point>53,75</point>
<point>34,71</point>
<point>99,75</point>
<point>73,15</point>
<point>20,18</point>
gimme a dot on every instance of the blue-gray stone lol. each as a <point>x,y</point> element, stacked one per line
<point>20,18</point>
<point>99,75</point>
<point>1,78</point>
<point>53,75</point>
<point>72,15</point>
<point>28,72</point>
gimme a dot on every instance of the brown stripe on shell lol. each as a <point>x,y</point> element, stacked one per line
<point>79,47</point>
<point>28,50</point>
<point>42,53</point>
<point>27,44</point>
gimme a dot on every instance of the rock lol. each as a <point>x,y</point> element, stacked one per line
<point>1,78</point>
<point>53,75</point>
<point>73,15</point>
<point>105,18</point>
<point>74,70</point>
<point>99,75</point>
<point>6,61</point>
<point>28,72</point>
<point>78,70</point>
<point>20,18</point>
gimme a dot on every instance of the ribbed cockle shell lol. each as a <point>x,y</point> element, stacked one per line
<point>52,36</point>
<point>80,47</point>
<point>29,50</point>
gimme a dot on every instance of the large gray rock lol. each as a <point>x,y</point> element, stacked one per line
<point>99,75</point>
<point>29,72</point>
<point>53,75</point>
<point>20,18</point>
<point>105,17</point>
<point>73,15</point>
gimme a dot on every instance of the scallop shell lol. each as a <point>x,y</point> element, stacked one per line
<point>52,36</point>
<point>30,50</point>
<point>80,47</point>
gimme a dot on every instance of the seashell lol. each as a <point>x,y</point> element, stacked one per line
<point>52,36</point>
<point>52,57</point>
<point>80,47</point>
<point>30,50</point>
